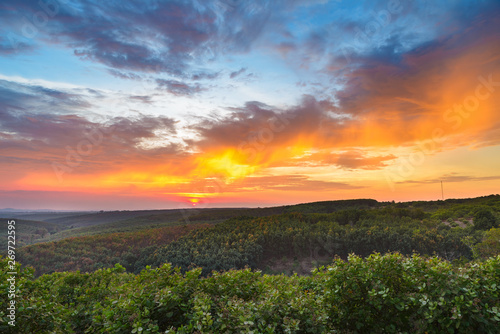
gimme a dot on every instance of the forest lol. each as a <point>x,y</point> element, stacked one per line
<point>352,266</point>
<point>294,240</point>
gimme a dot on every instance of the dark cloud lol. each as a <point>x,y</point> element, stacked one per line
<point>35,98</point>
<point>61,130</point>
<point>406,92</point>
<point>205,76</point>
<point>355,160</point>
<point>45,124</point>
<point>236,73</point>
<point>145,36</point>
<point>454,177</point>
<point>288,183</point>
<point>179,31</point>
<point>9,47</point>
<point>347,160</point>
<point>286,47</point>
<point>178,88</point>
<point>46,139</point>
<point>144,98</point>
<point>245,123</point>
<point>123,75</point>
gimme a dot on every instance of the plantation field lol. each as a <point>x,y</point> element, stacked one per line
<point>53,226</point>
<point>281,243</point>
<point>28,231</point>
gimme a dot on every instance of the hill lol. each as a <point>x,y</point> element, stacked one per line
<point>27,231</point>
<point>90,253</point>
<point>290,241</point>
<point>78,224</point>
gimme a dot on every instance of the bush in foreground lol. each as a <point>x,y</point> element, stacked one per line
<point>379,294</point>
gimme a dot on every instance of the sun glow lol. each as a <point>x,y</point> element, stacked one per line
<point>229,163</point>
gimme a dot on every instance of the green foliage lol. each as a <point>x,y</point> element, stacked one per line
<point>133,250</point>
<point>484,219</point>
<point>209,284</point>
<point>27,231</point>
<point>490,245</point>
<point>332,206</point>
<point>241,242</point>
<point>394,294</point>
<point>313,231</point>
<point>380,294</point>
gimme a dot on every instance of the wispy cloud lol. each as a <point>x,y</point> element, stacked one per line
<point>234,74</point>
<point>290,183</point>
<point>178,88</point>
<point>453,177</point>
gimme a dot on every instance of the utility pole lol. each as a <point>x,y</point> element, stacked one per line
<point>442,193</point>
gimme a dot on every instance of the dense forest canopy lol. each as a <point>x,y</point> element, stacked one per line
<point>304,234</point>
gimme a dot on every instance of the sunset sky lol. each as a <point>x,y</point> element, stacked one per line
<point>167,104</point>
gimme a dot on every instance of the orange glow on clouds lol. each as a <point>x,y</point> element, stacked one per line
<point>229,163</point>
<point>452,90</point>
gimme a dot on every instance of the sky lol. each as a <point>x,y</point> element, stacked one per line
<point>125,105</point>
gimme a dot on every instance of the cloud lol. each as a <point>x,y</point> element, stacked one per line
<point>309,134</point>
<point>49,133</point>
<point>390,91</point>
<point>205,75</point>
<point>245,123</point>
<point>43,125</point>
<point>385,100</point>
<point>355,160</point>
<point>403,99</point>
<point>350,160</point>
<point>24,97</point>
<point>178,88</point>
<point>142,36</point>
<point>236,73</point>
<point>452,178</point>
<point>291,183</point>
<point>10,47</point>
<point>258,183</point>
<point>151,37</point>
<point>71,152</point>
<point>142,98</point>
<point>313,133</point>
<point>123,75</point>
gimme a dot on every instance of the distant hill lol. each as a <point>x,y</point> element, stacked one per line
<point>8,210</point>
<point>286,239</point>
<point>63,225</point>
<point>27,231</point>
<point>89,253</point>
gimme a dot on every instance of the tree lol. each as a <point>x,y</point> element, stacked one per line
<point>490,246</point>
<point>484,219</point>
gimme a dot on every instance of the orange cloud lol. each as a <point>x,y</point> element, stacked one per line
<point>447,91</point>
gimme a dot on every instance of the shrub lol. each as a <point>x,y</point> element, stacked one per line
<point>484,219</point>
